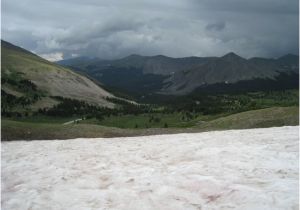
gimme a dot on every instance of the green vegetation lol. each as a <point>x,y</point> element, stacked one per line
<point>41,119</point>
<point>186,112</point>
<point>262,118</point>
<point>18,94</point>
<point>152,120</point>
<point>13,130</point>
<point>182,112</point>
<point>210,104</point>
<point>276,116</point>
<point>16,130</point>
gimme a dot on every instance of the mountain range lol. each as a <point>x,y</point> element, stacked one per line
<point>36,83</point>
<point>180,76</point>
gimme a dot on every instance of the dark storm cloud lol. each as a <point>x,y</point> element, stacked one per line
<point>113,29</point>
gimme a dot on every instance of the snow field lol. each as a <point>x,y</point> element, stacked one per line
<point>237,169</point>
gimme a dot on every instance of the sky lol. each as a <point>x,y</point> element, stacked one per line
<point>111,29</point>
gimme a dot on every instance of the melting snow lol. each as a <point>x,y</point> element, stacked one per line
<point>239,169</point>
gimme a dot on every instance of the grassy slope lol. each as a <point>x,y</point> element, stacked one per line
<point>269,117</point>
<point>276,116</point>
<point>49,77</point>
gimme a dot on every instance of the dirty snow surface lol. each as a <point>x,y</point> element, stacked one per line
<point>239,169</point>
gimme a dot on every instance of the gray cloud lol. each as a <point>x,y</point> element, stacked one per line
<point>218,26</point>
<point>113,29</point>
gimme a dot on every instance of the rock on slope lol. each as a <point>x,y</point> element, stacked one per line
<point>235,169</point>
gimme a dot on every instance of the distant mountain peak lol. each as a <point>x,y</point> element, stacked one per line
<point>232,55</point>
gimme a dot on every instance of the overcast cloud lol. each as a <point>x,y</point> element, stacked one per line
<point>112,29</point>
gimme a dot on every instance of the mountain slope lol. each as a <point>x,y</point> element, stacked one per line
<point>25,74</point>
<point>229,69</point>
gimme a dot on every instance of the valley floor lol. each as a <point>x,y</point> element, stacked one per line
<point>234,169</point>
